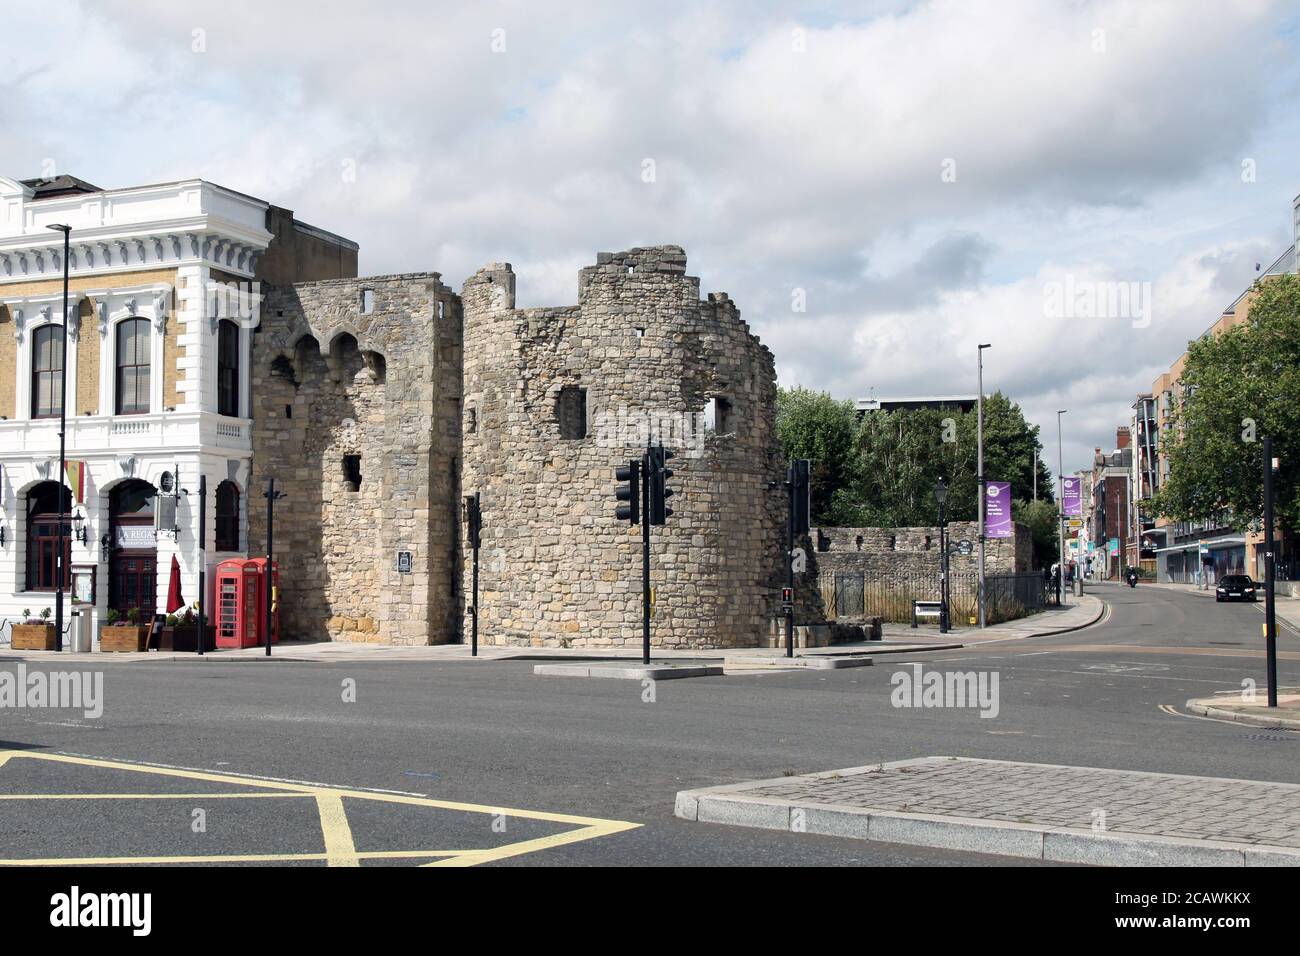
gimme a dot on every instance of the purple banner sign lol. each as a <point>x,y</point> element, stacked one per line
<point>1071,497</point>
<point>997,510</point>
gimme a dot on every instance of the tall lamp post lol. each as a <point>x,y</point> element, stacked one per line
<point>1060,506</point>
<point>983,484</point>
<point>60,571</point>
<point>940,496</point>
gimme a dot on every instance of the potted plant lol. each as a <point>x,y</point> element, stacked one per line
<point>181,633</point>
<point>131,636</point>
<point>34,634</point>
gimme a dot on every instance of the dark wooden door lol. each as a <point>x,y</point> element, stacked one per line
<point>133,582</point>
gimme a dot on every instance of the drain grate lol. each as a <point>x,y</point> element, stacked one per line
<point>1272,737</point>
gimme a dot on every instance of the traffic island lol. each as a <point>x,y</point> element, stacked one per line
<point>1080,815</point>
<point>1285,716</point>
<point>624,671</point>
<point>780,662</point>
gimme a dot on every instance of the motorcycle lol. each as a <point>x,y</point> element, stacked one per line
<point>1132,579</point>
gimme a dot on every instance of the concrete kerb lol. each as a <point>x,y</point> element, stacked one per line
<point>732,805</point>
<point>1202,709</point>
<point>625,672</point>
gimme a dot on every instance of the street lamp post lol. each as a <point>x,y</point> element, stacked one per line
<point>1270,611</point>
<point>983,484</point>
<point>60,572</point>
<point>1060,506</point>
<point>940,496</point>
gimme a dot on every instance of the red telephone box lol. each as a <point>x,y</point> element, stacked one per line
<point>241,595</point>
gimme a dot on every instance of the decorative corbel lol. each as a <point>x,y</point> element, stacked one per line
<point>195,248</point>
<point>130,306</point>
<point>243,257</point>
<point>157,247</point>
<point>127,464</point>
<point>176,245</point>
<point>121,251</point>
<point>7,263</point>
<point>101,314</point>
<point>89,253</point>
<point>139,249</point>
<point>73,318</point>
<point>19,316</point>
<point>22,262</point>
<point>160,311</point>
<point>106,253</point>
<point>40,260</point>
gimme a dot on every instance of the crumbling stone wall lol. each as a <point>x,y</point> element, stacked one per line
<point>917,549</point>
<point>557,568</point>
<point>330,380</point>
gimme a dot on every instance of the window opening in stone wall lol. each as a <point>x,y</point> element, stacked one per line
<point>440,308</point>
<point>858,542</point>
<point>640,333</point>
<point>367,301</point>
<point>571,412</point>
<point>352,472</point>
<point>288,411</point>
<point>717,415</point>
<point>471,425</point>
<point>893,541</point>
<point>282,366</point>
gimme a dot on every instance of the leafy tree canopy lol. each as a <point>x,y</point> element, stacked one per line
<point>1237,387</point>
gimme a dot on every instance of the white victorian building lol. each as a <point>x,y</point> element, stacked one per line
<point>161,312</point>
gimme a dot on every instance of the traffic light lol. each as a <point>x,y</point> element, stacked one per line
<point>473,520</point>
<point>801,491</point>
<point>659,490</point>
<point>629,492</point>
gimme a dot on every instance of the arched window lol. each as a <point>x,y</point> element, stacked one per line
<point>47,371</point>
<point>133,366</point>
<point>43,535</point>
<point>227,516</point>
<point>228,369</point>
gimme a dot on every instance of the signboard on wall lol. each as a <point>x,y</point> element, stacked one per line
<point>136,536</point>
<point>403,562</point>
<point>997,510</point>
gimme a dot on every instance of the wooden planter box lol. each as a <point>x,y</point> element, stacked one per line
<point>186,638</point>
<point>123,637</point>
<point>32,637</point>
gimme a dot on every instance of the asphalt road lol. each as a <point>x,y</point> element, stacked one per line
<point>494,740</point>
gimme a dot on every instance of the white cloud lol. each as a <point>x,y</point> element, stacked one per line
<point>775,168</point>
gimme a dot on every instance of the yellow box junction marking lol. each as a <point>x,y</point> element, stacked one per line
<point>340,850</point>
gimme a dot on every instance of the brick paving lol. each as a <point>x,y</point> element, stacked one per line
<point>1146,804</point>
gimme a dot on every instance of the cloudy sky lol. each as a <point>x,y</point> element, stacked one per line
<point>921,176</point>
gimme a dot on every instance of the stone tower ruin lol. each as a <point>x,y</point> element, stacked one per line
<point>556,398</point>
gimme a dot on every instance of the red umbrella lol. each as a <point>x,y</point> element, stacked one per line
<point>174,600</point>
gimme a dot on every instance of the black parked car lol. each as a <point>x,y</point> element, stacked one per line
<point>1235,587</point>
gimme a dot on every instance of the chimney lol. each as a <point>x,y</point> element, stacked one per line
<point>1121,437</point>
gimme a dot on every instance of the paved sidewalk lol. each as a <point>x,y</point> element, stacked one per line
<point>898,639</point>
<point>1042,811</point>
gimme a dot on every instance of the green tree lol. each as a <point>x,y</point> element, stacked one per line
<point>1239,386</point>
<point>815,426</point>
<point>1042,520</point>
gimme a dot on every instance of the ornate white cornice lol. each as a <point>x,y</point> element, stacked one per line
<point>168,225</point>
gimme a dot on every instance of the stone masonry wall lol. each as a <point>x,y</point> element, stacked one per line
<point>330,381</point>
<point>917,549</point>
<point>557,568</point>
